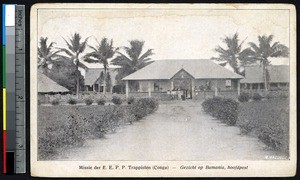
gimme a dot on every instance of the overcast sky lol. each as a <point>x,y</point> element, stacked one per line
<point>173,34</point>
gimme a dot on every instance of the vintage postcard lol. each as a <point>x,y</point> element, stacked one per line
<point>163,90</point>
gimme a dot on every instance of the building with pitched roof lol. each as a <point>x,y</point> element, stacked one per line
<point>188,76</point>
<point>48,86</point>
<point>254,79</point>
<point>92,73</point>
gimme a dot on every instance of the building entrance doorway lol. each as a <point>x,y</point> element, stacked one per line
<point>184,86</point>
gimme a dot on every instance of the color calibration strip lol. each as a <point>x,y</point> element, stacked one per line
<point>14,151</point>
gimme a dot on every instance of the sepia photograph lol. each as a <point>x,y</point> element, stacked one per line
<point>163,90</point>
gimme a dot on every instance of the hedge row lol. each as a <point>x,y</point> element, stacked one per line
<point>246,96</point>
<point>222,108</point>
<point>88,101</point>
<point>268,120</point>
<point>70,126</point>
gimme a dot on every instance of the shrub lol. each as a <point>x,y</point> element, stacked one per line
<point>55,134</point>
<point>274,133</point>
<point>269,120</point>
<point>116,100</point>
<point>246,127</point>
<point>142,107</point>
<point>269,96</point>
<point>72,101</point>
<point>77,129</point>
<point>88,101</point>
<point>256,97</point>
<point>130,100</point>
<point>277,94</point>
<point>244,97</point>
<point>104,120</point>
<point>55,102</point>
<point>101,101</point>
<point>222,108</point>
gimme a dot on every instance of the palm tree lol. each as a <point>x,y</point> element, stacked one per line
<point>261,52</point>
<point>46,55</point>
<point>75,48</point>
<point>133,60</point>
<point>232,52</point>
<point>100,54</point>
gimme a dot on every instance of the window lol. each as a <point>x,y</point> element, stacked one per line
<point>273,85</point>
<point>89,88</point>
<point>101,88</point>
<point>255,86</point>
<point>262,86</point>
<point>283,84</point>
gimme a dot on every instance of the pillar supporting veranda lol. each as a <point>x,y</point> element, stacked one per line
<point>149,88</point>
<point>127,89</point>
<point>238,87</point>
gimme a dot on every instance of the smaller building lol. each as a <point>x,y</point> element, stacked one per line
<point>48,86</point>
<point>254,78</point>
<point>94,76</point>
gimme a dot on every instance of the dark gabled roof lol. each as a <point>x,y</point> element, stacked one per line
<point>278,74</point>
<point>47,85</point>
<point>199,69</point>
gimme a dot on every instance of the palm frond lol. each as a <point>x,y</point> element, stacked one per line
<point>51,55</point>
<point>122,60</point>
<point>75,41</point>
<point>148,53</point>
<point>273,47</point>
<point>65,57</point>
<point>254,47</point>
<point>95,55</point>
<point>247,56</point>
<point>66,51</point>
<point>240,45</point>
<point>83,45</point>
<point>90,60</point>
<point>95,49</point>
<point>69,45</point>
<point>135,49</point>
<point>280,51</point>
<point>145,64</point>
<point>220,50</point>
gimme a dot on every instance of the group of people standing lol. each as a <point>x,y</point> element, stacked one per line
<point>177,94</point>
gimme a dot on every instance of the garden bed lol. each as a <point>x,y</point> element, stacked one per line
<point>267,119</point>
<point>62,126</point>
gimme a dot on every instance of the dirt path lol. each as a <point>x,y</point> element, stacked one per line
<point>176,131</point>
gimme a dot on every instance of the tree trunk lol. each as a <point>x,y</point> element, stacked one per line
<point>77,79</point>
<point>265,76</point>
<point>104,82</point>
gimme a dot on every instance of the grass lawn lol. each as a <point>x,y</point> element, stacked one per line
<point>268,120</point>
